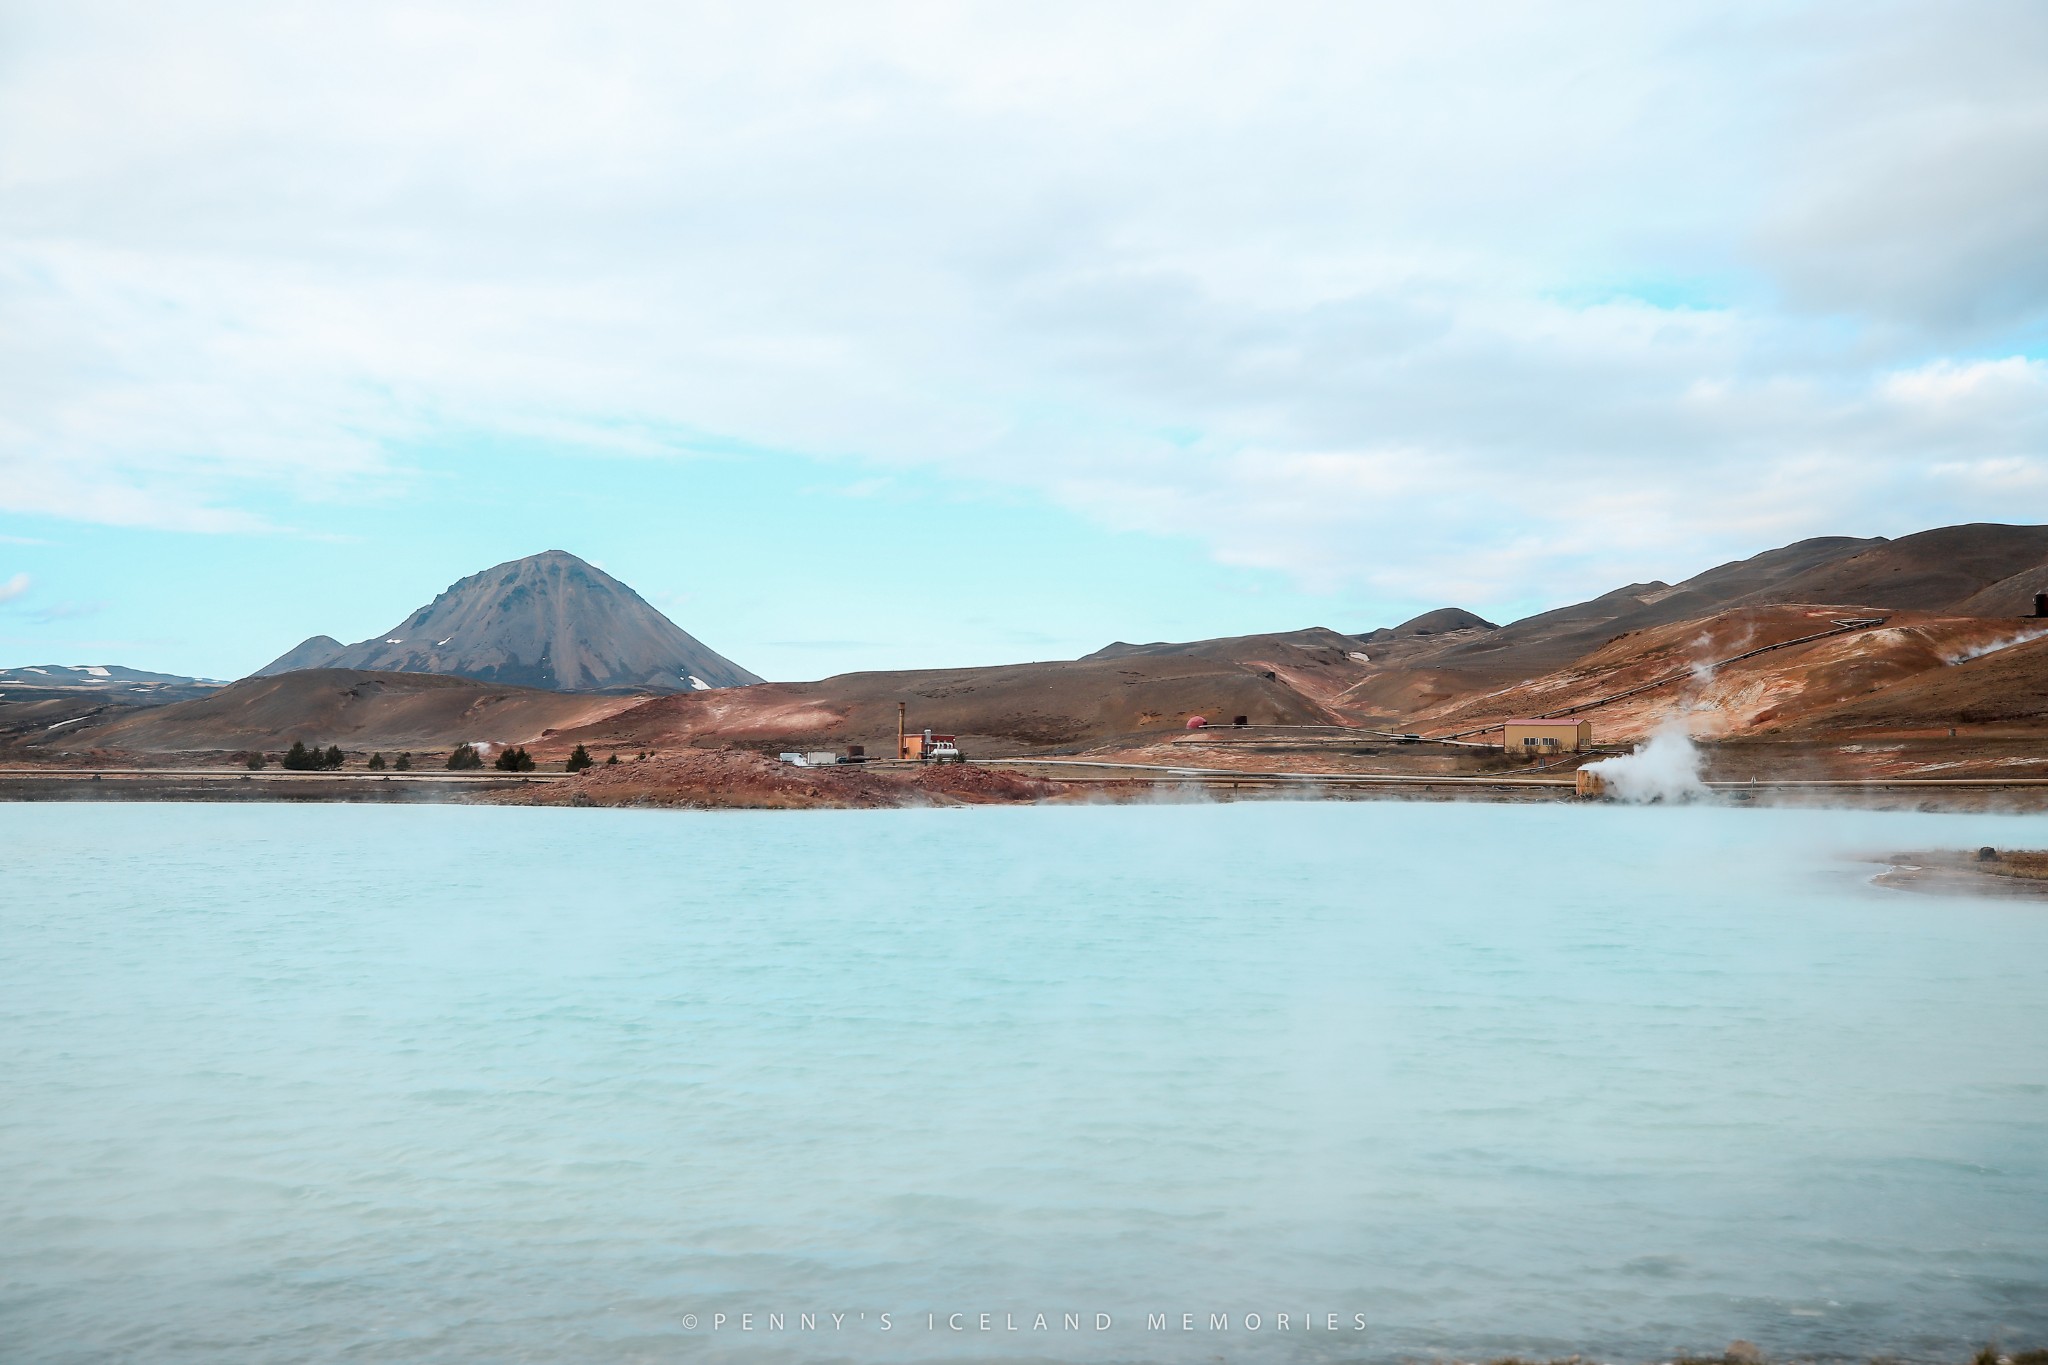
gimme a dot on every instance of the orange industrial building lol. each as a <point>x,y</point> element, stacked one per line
<point>1548,736</point>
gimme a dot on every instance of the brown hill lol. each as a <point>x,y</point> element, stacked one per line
<point>1318,663</point>
<point>1718,693</point>
<point>318,651</point>
<point>1943,570</point>
<point>357,710</point>
<point>1013,709</point>
<point>1442,621</point>
<point>2010,596</point>
<point>1552,639</point>
<point>51,721</point>
<point>2004,689</point>
<point>1955,570</point>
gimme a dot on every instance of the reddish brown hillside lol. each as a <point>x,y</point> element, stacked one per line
<point>1012,709</point>
<point>1769,691</point>
<point>2005,690</point>
<point>1318,663</point>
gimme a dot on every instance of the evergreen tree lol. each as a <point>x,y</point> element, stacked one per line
<point>297,758</point>
<point>332,758</point>
<point>514,761</point>
<point>612,762</point>
<point>376,763</point>
<point>464,758</point>
<point>404,764</point>
<point>578,761</point>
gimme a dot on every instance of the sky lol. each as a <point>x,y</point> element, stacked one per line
<point>915,335</point>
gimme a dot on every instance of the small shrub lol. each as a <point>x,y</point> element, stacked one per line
<point>256,762</point>
<point>376,763</point>
<point>464,759</point>
<point>404,764</point>
<point>612,762</point>
<point>578,760</point>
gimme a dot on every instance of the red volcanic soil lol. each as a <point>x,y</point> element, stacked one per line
<point>736,779</point>
<point>1953,571</point>
<point>2005,690</point>
<point>1785,689</point>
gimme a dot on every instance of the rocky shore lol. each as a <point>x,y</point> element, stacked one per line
<point>710,779</point>
<point>1984,871</point>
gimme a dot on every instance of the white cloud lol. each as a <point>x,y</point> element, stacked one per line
<point>14,587</point>
<point>1425,299</point>
<point>2015,383</point>
<point>1909,185</point>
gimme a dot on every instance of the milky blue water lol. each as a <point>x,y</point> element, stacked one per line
<point>284,1083</point>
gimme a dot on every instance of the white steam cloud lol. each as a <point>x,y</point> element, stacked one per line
<point>1665,768</point>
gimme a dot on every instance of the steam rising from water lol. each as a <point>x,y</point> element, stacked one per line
<point>1665,768</point>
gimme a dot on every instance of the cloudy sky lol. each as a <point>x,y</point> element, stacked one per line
<point>867,334</point>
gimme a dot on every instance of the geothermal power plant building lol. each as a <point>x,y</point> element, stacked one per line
<point>1548,736</point>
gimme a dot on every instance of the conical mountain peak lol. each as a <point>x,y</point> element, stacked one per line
<point>549,620</point>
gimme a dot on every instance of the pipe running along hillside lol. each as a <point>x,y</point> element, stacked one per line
<point>1841,627</point>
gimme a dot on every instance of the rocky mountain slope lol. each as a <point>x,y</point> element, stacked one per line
<point>549,621</point>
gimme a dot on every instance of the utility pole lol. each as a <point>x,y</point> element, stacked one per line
<point>900,708</point>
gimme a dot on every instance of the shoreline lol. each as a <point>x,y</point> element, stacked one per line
<point>725,779</point>
<point>2012,874</point>
<point>227,785</point>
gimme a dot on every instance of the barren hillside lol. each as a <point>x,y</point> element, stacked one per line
<point>1011,709</point>
<point>357,710</point>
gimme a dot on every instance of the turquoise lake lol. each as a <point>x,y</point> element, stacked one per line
<point>311,1083</point>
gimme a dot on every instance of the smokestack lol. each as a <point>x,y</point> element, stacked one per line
<point>899,729</point>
